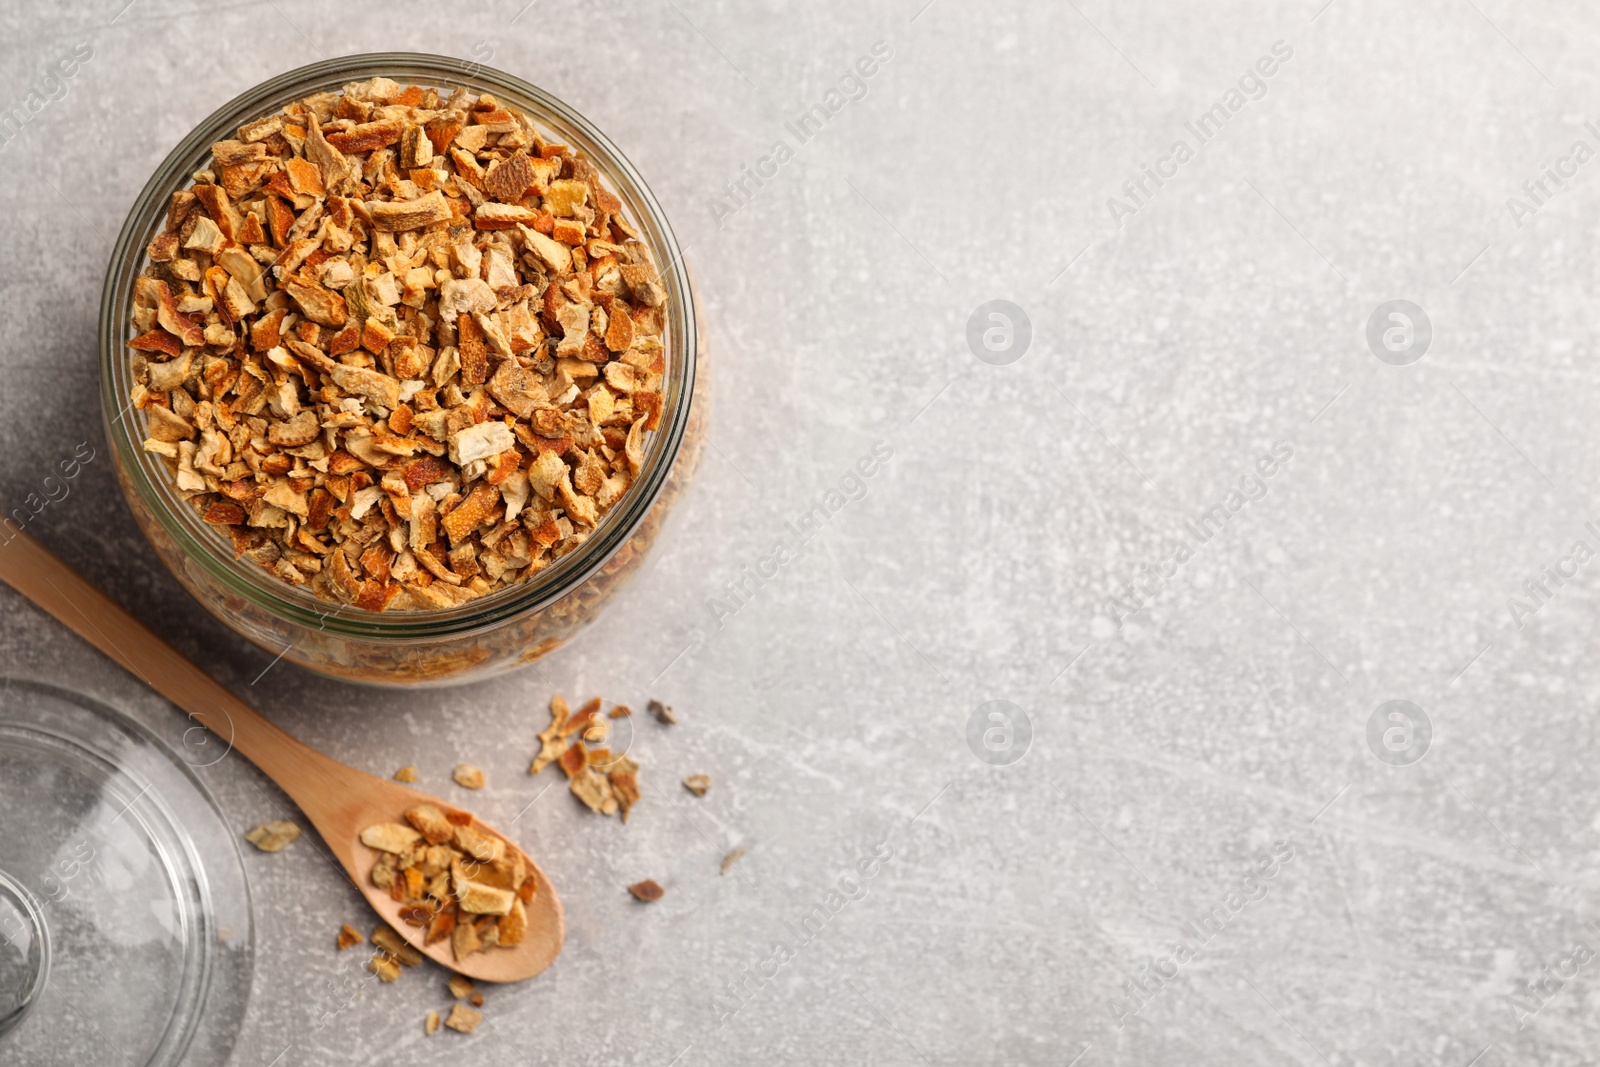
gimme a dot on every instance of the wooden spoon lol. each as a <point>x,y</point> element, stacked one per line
<point>340,801</point>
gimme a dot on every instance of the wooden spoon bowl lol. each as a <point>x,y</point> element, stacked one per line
<point>363,800</point>
<point>373,800</point>
<point>339,801</point>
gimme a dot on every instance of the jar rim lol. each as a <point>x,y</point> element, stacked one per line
<point>201,544</point>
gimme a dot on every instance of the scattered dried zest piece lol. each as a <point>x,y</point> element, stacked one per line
<point>574,759</point>
<point>621,711</point>
<point>273,836</point>
<point>648,890</point>
<point>460,986</point>
<point>595,791</point>
<point>734,856</point>
<point>605,783</point>
<point>430,1023</point>
<point>451,880</point>
<point>463,1019</point>
<point>398,348</point>
<point>698,784</point>
<point>583,718</point>
<point>623,774</point>
<point>385,966</point>
<point>467,776</point>
<point>396,946</point>
<point>349,936</point>
<point>662,713</point>
<point>550,743</point>
<point>406,774</point>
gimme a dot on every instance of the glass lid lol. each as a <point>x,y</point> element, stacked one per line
<point>125,933</point>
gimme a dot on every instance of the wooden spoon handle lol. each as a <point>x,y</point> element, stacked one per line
<point>32,570</point>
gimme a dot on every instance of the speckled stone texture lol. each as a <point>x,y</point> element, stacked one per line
<point>1197,689</point>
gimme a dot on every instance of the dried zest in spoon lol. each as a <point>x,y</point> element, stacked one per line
<point>452,880</point>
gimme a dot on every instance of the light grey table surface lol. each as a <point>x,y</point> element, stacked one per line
<point>1178,732</point>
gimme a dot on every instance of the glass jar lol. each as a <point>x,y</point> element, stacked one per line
<point>503,629</point>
